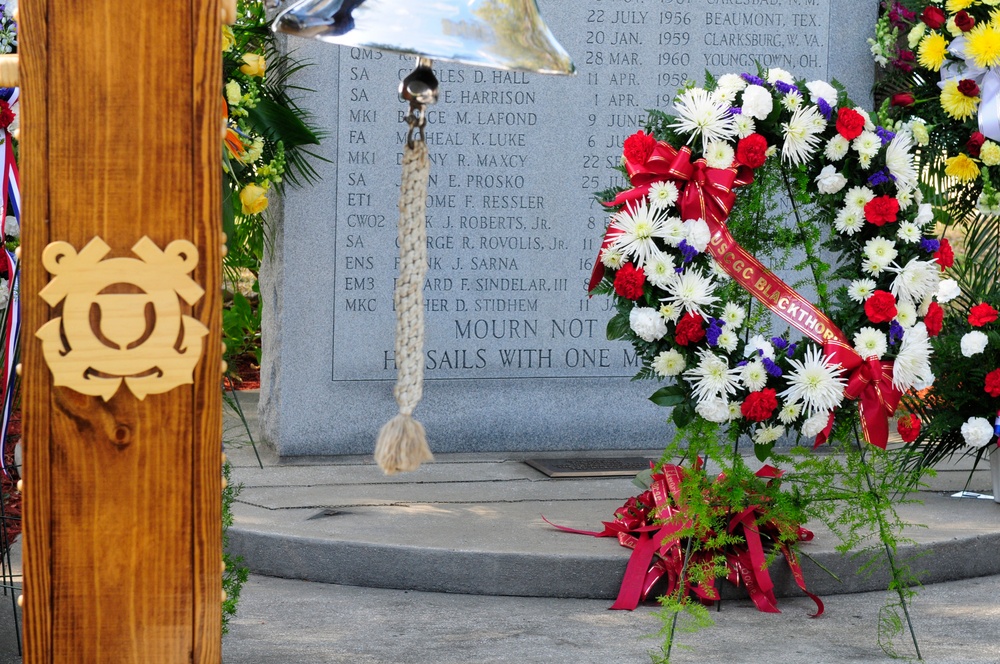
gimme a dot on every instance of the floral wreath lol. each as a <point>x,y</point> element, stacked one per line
<point>668,256</point>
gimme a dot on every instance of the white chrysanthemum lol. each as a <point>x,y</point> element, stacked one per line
<point>744,125</point>
<point>977,432</point>
<point>874,268</point>
<point>699,114</point>
<point>647,323</point>
<point>836,148</point>
<point>815,424</point>
<point>713,410</point>
<point>789,413</point>
<point>612,258</point>
<point>732,82</point>
<point>662,195</point>
<point>712,378</point>
<point>669,363</point>
<point>757,102</point>
<point>913,363</point>
<point>724,96</point>
<point>899,159</point>
<point>733,315</point>
<point>768,433</point>
<point>830,180</point>
<point>849,220</point>
<point>881,251</point>
<point>915,280</point>
<point>925,214</point>
<point>754,375</point>
<point>775,74</point>
<point>670,312</point>
<point>906,313</point>
<point>640,226</point>
<point>814,382</point>
<point>697,234</point>
<point>948,290</point>
<point>867,144</point>
<point>734,411</point>
<point>869,342</point>
<point>905,198</point>
<point>719,155</point>
<point>691,290</point>
<point>822,90</point>
<point>973,343</point>
<point>791,101</point>
<point>758,343</point>
<point>719,272</point>
<point>869,125</point>
<point>672,231</point>
<point>660,270</point>
<point>728,340</point>
<point>802,134</point>
<point>909,232</point>
<point>858,197</point>
<point>861,289</point>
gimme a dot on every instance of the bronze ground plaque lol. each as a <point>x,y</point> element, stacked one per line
<point>590,466</point>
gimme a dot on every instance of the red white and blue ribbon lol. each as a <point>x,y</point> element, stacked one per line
<point>10,181</point>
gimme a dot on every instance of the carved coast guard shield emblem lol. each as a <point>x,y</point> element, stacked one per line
<point>121,318</point>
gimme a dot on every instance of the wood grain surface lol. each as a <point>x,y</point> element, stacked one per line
<point>121,139</point>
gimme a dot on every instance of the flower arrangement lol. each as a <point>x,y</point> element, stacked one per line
<point>939,62</point>
<point>682,279</point>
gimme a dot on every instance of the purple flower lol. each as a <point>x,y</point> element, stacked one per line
<point>743,363</point>
<point>930,245</point>
<point>771,368</point>
<point>880,177</point>
<point>714,330</point>
<point>791,350</point>
<point>687,251</point>
<point>885,135</point>
<point>735,110</point>
<point>895,333</point>
<point>779,343</point>
<point>825,109</point>
<point>785,88</point>
<point>754,80</point>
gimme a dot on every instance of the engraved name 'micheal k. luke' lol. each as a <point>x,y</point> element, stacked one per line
<point>121,318</point>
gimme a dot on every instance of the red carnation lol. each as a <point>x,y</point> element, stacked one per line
<point>638,147</point>
<point>759,406</point>
<point>6,114</point>
<point>850,123</point>
<point>963,21</point>
<point>881,210</point>
<point>751,151</point>
<point>933,17</point>
<point>629,281</point>
<point>993,383</point>
<point>944,255</point>
<point>902,99</point>
<point>908,427</point>
<point>880,307</point>
<point>689,329</point>
<point>968,87</point>
<point>974,144</point>
<point>981,314</point>
<point>934,320</point>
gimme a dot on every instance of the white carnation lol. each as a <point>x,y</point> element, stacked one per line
<point>948,290</point>
<point>822,90</point>
<point>715,409</point>
<point>815,424</point>
<point>758,342</point>
<point>775,74</point>
<point>757,102</point>
<point>11,228</point>
<point>647,323</point>
<point>977,431</point>
<point>697,234</point>
<point>974,343</point>
<point>830,180</point>
<point>925,214</point>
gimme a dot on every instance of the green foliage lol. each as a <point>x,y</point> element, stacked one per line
<point>236,573</point>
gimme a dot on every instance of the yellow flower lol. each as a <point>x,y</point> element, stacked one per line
<point>254,65</point>
<point>916,34</point>
<point>254,198</point>
<point>932,50</point>
<point>955,6</point>
<point>990,153</point>
<point>983,45</point>
<point>961,167</point>
<point>920,132</point>
<point>956,104</point>
<point>233,93</point>
<point>228,39</point>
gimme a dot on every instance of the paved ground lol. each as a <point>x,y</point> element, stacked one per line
<point>298,622</point>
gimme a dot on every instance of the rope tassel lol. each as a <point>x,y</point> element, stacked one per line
<point>402,442</point>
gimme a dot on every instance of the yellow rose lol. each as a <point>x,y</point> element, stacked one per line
<point>233,93</point>
<point>254,199</point>
<point>228,39</point>
<point>990,153</point>
<point>254,65</point>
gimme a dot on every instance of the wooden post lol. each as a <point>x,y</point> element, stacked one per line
<point>121,139</point>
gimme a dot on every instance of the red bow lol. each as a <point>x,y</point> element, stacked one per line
<point>870,382</point>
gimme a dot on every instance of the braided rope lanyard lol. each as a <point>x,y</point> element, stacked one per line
<point>402,442</point>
